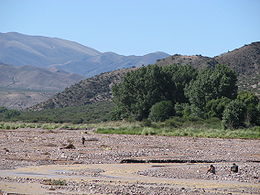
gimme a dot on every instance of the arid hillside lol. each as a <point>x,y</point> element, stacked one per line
<point>87,91</point>
<point>244,60</point>
<point>24,86</point>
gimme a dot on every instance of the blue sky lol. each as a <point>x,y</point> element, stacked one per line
<point>137,27</point>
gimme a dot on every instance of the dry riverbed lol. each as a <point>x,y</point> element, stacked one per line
<point>36,161</point>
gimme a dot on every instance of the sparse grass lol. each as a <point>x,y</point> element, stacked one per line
<point>55,182</point>
<point>178,127</point>
<point>252,133</point>
<point>121,130</point>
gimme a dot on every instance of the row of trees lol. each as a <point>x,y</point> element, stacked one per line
<point>157,93</point>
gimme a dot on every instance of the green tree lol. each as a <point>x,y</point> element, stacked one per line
<point>140,90</point>
<point>247,98</point>
<point>224,81</point>
<point>234,115</point>
<point>181,75</point>
<point>251,102</point>
<point>199,91</point>
<point>161,111</point>
<point>212,83</point>
<point>182,109</point>
<point>216,107</point>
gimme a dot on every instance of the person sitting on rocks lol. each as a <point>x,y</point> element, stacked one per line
<point>211,169</point>
<point>234,168</point>
<point>83,140</point>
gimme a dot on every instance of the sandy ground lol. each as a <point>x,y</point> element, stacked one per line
<point>31,157</point>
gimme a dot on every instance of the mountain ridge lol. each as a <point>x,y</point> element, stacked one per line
<point>20,49</point>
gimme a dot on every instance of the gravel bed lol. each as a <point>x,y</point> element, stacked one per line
<point>248,172</point>
<point>34,147</point>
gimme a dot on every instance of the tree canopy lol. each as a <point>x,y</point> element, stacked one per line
<point>156,93</point>
<point>140,90</point>
<point>212,83</point>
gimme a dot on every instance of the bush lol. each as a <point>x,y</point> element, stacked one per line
<point>251,101</point>
<point>3,109</point>
<point>194,112</point>
<point>146,123</point>
<point>182,109</point>
<point>216,107</point>
<point>161,111</point>
<point>174,122</point>
<point>252,115</point>
<point>55,182</point>
<point>247,98</point>
<point>148,131</point>
<point>234,115</point>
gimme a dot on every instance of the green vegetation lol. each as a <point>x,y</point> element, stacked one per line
<point>161,111</point>
<point>211,84</point>
<point>54,182</point>
<point>205,93</point>
<point>234,114</point>
<point>140,90</point>
<point>48,126</point>
<point>177,126</point>
<point>90,113</point>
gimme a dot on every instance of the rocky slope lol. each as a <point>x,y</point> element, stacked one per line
<point>34,78</point>
<point>24,86</point>
<point>245,60</point>
<point>87,91</point>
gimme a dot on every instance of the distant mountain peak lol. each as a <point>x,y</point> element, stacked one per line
<point>20,49</point>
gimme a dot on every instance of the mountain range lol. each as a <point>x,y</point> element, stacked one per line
<point>245,60</point>
<point>19,49</point>
<point>34,68</point>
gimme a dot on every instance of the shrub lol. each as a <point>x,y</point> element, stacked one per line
<point>216,107</point>
<point>174,122</point>
<point>251,101</point>
<point>247,98</point>
<point>146,123</point>
<point>148,131</point>
<point>194,112</point>
<point>161,111</point>
<point>234,115</point>
<point>3,109</point>
<point>182,109</point>
<point>252,115</point>
<point>55,182</point>
<point>11,113</point>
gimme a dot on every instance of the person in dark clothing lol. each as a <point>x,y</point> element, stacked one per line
<point>83,140</point>
<point>211,169</point>
<point>234,168</point>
